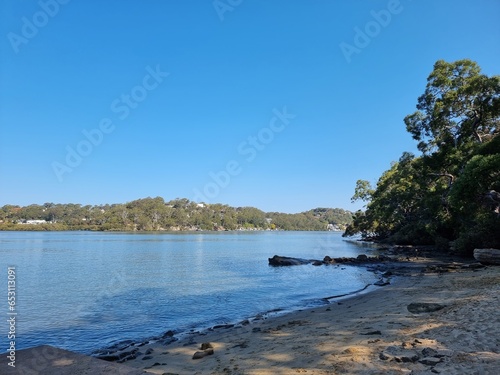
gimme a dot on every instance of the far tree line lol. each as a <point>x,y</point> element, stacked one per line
<point>155,214</point>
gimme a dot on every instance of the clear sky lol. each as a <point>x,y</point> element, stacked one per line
<point>277,104</point>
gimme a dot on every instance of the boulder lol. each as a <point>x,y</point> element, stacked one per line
<point>202,354</point>
<point>206,345</point>
<point>278,261</point>
<point>487,256</point>
<point>418,308</point>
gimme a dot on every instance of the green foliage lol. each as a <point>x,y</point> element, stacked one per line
<point>154,214</point>
<point>363,191</point>
<point>451,192</point>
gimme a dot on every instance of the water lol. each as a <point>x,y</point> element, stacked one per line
<point>84,291</point>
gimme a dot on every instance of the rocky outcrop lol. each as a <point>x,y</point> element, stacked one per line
<point>278,261</point>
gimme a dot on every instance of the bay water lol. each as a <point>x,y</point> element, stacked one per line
<point>84,291</point>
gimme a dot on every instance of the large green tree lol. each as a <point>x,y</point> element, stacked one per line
<point>453,186</point>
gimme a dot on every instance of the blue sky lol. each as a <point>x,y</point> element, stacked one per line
<point>281,105</point>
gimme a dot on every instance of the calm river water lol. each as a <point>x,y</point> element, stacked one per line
<point>85,290</point>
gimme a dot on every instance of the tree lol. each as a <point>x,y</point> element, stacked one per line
<point>363,191</point>
<point>454,185</point>
<point>459,105</point>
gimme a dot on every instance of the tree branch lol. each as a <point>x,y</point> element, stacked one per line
<point>447,175</point>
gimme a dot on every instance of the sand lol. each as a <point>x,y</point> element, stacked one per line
<point>373,333</point>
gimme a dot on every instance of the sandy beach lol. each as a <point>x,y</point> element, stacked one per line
<point>372,333</point>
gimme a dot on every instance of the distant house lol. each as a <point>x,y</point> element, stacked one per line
<point>333,227</point>
<point>36,222</point>
<point>201,205</point>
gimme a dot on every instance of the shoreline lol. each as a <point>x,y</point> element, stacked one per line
<point>369,333</point>
<point>126,349</point>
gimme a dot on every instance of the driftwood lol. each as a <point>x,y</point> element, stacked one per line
<point>487,256</point>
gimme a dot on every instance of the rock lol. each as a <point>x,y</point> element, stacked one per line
<point>203,354</point>
<point>418,308</point>
<point>429,352</point>
<point>317,263</point>
<point>127,356</point>
<point>430,361</point>
<point>149,351</point>
<point>327,259</point>
<point>372,333</point>
<point>382,282</point>
<point>398,354</point>
<point>168,338</point>
<point>225,326</point>
<point>444,353</point>
<point>109,357</point>
<point>146,357</point>
<point>168,334</point>
<point>362,258</point>
<point>473,266</point>
<point>385,357</point>
<point>487,256</point>
<point>279,261</point>
<point>206,345</point>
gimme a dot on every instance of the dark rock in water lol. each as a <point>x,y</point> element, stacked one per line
<point>381,282</point>
<point>361,259</point>
<point>168,334</point>
<point>122,345</point>
<point>167,338</point>
<point>279,261</point>
<point>226,326</point>
<point>149,351</point>
<point>418,308</point>
<point>146,357</point>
